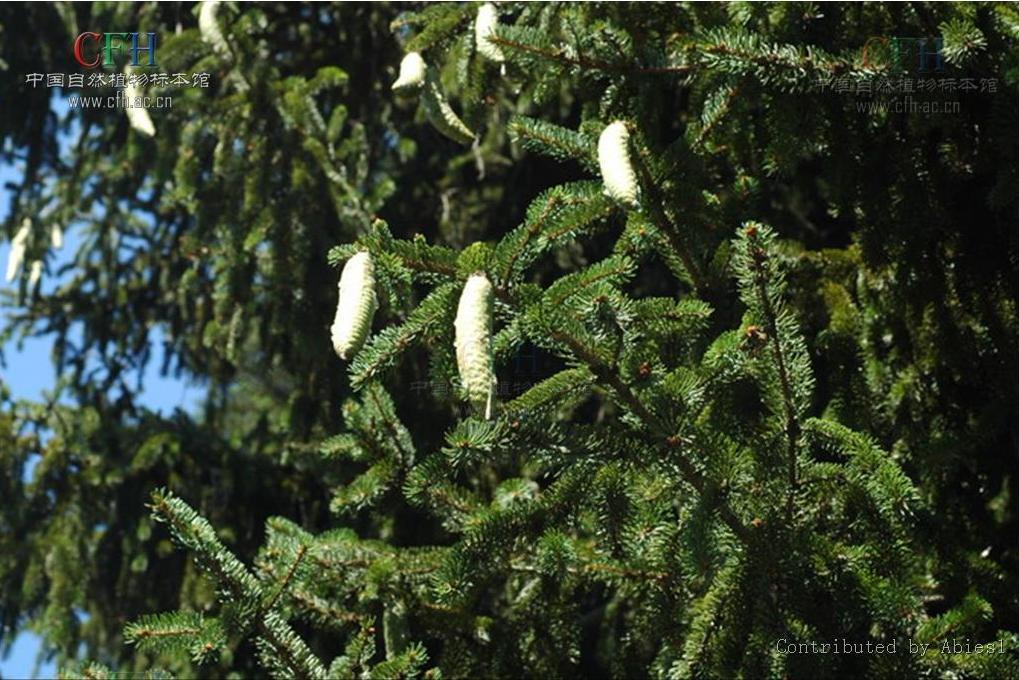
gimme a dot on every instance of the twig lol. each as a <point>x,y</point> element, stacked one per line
<point>301,552</point>
<point>660,433</point>
<point>657,212</point>
<point>581,62</point>
<point>792,422</point>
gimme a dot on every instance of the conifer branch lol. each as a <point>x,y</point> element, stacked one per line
<point>287,578</point>
<point>182,631</point>
<point>787,377</point>
<point>738,51</point>
<point>759,262</point>
<point>195,532</point>
<point>563,211</point>
<point>612,267</point>
<point>430,266</point>
<point>321,608</point>
<point>533,228</point>
<point>715,115</point>
<point>792,423</point>
<point>601,567</point>
<point>384,406</point>
<point>285,642</point>
<point>559,55</point>
<point>382,351</point>
<point>612,513</point>
<point>660,434</point>
<point>553,140</point>
<point>142,633</point>
<point>657,212</point>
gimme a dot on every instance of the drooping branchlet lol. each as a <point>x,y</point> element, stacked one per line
<point>441,115</point>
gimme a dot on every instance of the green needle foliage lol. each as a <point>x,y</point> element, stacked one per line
<point>770,403</point>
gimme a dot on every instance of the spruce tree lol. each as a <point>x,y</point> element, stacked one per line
<point>538,339</point>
